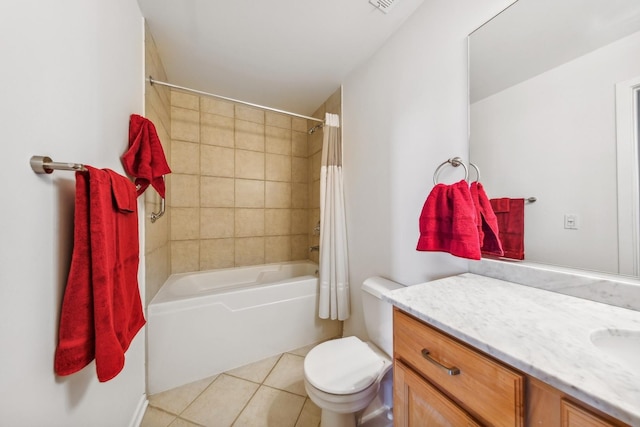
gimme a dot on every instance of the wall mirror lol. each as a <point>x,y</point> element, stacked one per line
<point>553,94</point>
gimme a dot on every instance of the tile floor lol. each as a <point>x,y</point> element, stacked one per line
<point>269,393</point>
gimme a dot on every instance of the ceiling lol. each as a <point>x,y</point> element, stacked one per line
<point>285,54</point>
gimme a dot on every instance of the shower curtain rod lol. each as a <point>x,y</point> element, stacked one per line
<point>153,82</point>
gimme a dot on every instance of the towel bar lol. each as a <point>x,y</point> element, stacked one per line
<point>44,164</point>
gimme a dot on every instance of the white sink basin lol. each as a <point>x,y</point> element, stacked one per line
<point>619,344</point>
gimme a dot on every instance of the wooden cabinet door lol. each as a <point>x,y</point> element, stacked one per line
<point>417,403</point>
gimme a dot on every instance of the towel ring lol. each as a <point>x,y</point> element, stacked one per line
<point>477,171</point>
<point>455,162</point>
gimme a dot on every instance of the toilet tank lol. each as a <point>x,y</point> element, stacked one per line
<point>378,314</point>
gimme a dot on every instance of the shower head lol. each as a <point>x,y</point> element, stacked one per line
<point>315,128</point>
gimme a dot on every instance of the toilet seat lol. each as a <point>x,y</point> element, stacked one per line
<point>342,366</point>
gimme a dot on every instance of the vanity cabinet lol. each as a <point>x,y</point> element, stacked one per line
<point>440,381</point>
<point>439,375</point>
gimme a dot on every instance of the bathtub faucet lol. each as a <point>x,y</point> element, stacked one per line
<point>315,248</point>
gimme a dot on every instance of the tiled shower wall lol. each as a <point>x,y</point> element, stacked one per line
<point>245,185</point>
<point>158,110</point>
<point>240,184</point>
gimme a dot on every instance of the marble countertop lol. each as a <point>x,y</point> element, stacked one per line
<point>544,334</point>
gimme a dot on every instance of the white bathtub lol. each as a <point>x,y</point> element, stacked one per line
<point>204,323</point>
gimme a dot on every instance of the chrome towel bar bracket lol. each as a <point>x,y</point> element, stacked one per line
<point>44,164</point>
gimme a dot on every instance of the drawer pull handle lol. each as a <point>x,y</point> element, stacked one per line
<point>451,371</point>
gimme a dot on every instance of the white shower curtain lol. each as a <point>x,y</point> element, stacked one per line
<point>334,269</point>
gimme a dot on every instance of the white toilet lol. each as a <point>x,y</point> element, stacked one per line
<point>344,376</point>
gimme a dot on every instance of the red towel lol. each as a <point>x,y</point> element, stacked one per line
<point>448,222</point>
<point>101,308</point>
<point>145,158</point>
<point>488,230</point>
<point>510,216</point>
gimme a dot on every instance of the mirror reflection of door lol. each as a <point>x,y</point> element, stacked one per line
<point>628,166</point>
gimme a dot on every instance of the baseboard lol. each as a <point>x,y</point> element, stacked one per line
<point>139,413</point>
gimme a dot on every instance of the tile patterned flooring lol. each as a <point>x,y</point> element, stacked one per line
<point>268,393</point>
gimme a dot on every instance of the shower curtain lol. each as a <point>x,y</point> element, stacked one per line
<point>334,270</point>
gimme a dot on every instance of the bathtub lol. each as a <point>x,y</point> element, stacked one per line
<point>204,323</point>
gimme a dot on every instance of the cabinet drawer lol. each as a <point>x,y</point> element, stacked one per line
<point>491,392</point>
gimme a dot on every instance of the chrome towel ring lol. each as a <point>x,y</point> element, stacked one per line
<point>477,171</point>
<point>455,162</point>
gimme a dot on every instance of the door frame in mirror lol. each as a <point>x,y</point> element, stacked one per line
<point>627,123</point>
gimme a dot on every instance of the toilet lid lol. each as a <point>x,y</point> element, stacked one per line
<point>342,366</point>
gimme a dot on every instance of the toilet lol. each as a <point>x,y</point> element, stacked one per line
<point>344,376</point>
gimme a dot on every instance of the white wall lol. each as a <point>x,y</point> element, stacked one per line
<point>71,74</point>
<point>560,146</point>
<point>405,112</point>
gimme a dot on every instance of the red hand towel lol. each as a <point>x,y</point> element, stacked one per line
<point>101,309</point>
<point>510,216</point>
<point>488,231</point>
<point>145,158</point>
<point>448,222</point>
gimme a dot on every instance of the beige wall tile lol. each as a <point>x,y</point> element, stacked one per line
<point>249,251</point>
<point>299,247</point>
<point>185,157</point>
<point>300,124</point>
<point>249,114</point>
<point>184,100</point>
<point>185,191</point>
<point>249,164</point>
<point>216,161</point>
<point>160,115</point>
<point>319,113</point>
<point>277,222</point>
<point>217,192</point>
<point>299,195</point>
<point>277,140</point>
<point>216,253</point>
<point>278,120</point>
<point>217,130</point>
<point>277,249</point>
<point>216,106</point>
<point>299,170</point>
<point>216,223</point>
<point>278,167</point>
<point>334,103</point>
<point>157,233</point>
<point>314,217</point>
<point>314,201</point>
<point>249,193</point>
<point>185,124</point>
<point>299,143</point>
<point>316,164</point>
<point>249,135</point>
<point>277,194</point>
<point>249,222</point>
<point>185,256</point>
<point>185,223</point>
<point>300,221</point>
